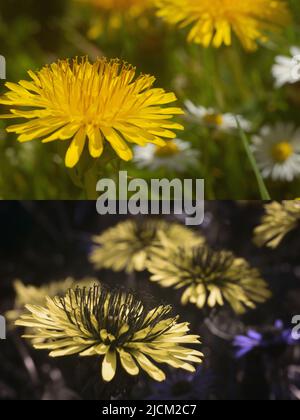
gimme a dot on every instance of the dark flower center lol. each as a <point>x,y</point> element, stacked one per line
<point>113,311</point>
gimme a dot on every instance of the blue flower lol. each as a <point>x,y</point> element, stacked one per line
<point>275,337</point>
<point>181,385</point>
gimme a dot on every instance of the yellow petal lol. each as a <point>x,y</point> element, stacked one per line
<point>64,133</point>
<point>101,349</point>
<point>118,144</point>
<point>75,150</point>
<point>128,363</point>
<point>109,366</point>
<point>89,352</point>
<point>153,371</point>
<point>66,352</point>
<point>95,142</point>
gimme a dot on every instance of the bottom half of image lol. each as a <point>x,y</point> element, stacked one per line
<point>123,308</point>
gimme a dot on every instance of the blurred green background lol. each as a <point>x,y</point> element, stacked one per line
<point>34,33</point>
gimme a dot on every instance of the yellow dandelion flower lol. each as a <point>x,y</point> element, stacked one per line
<point>103,102</point>
<point>279,220</point>
<point>36,295</point>
<point>214,21</point>
<point>111,14</point>
<point>129,245</point>
<point>118,5</point>
<point>117,328</point>
<point>128,8</point>
<point>208,278</point>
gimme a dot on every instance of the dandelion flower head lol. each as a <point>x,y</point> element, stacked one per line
<point>208,278</point>
<point>279,219</point>
<point>129,245</point>
<point>214,21</point>
<point>116,327</point>
<point>101,103</point>
<point>36,295</point>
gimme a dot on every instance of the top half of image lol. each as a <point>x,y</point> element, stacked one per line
<point>158,89</point>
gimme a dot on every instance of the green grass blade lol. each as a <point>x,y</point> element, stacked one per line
<point>264,193</point>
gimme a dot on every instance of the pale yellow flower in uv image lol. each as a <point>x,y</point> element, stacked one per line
<point>117,328</point>
<point>102,104</point>
<point>208,278</point>
<point>129,245</point>
<point>279,219</point>
<point>26,294</point>
<point>213,22</point>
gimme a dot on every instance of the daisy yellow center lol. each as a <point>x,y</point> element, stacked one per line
<point>214,119</point>
<point>214,21</point>
<point>171,149</point>
<point>282,151</point>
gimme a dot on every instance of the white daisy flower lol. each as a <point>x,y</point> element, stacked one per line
<point>286,70</point>
<point>277,150</point>
<point>212,118</point>
<point>177,155</point>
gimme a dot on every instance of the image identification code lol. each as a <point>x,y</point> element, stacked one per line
<point>151,410</point>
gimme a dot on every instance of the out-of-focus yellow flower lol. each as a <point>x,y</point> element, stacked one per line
<point>214,21</point>
<point>209,278</point>
<point>129,245</point>
<point>36,295</point>
<point>279,220</point>
<point>113,326</point>
<point>130,6</point>
<point>112,14</point>
<point>103,102</point>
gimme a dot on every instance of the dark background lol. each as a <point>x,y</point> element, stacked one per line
<point>47,241</point>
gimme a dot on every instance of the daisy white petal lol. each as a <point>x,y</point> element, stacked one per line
<point>277,150</point>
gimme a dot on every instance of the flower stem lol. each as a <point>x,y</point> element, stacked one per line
<point>90,183</point>
<point>261,184</point>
